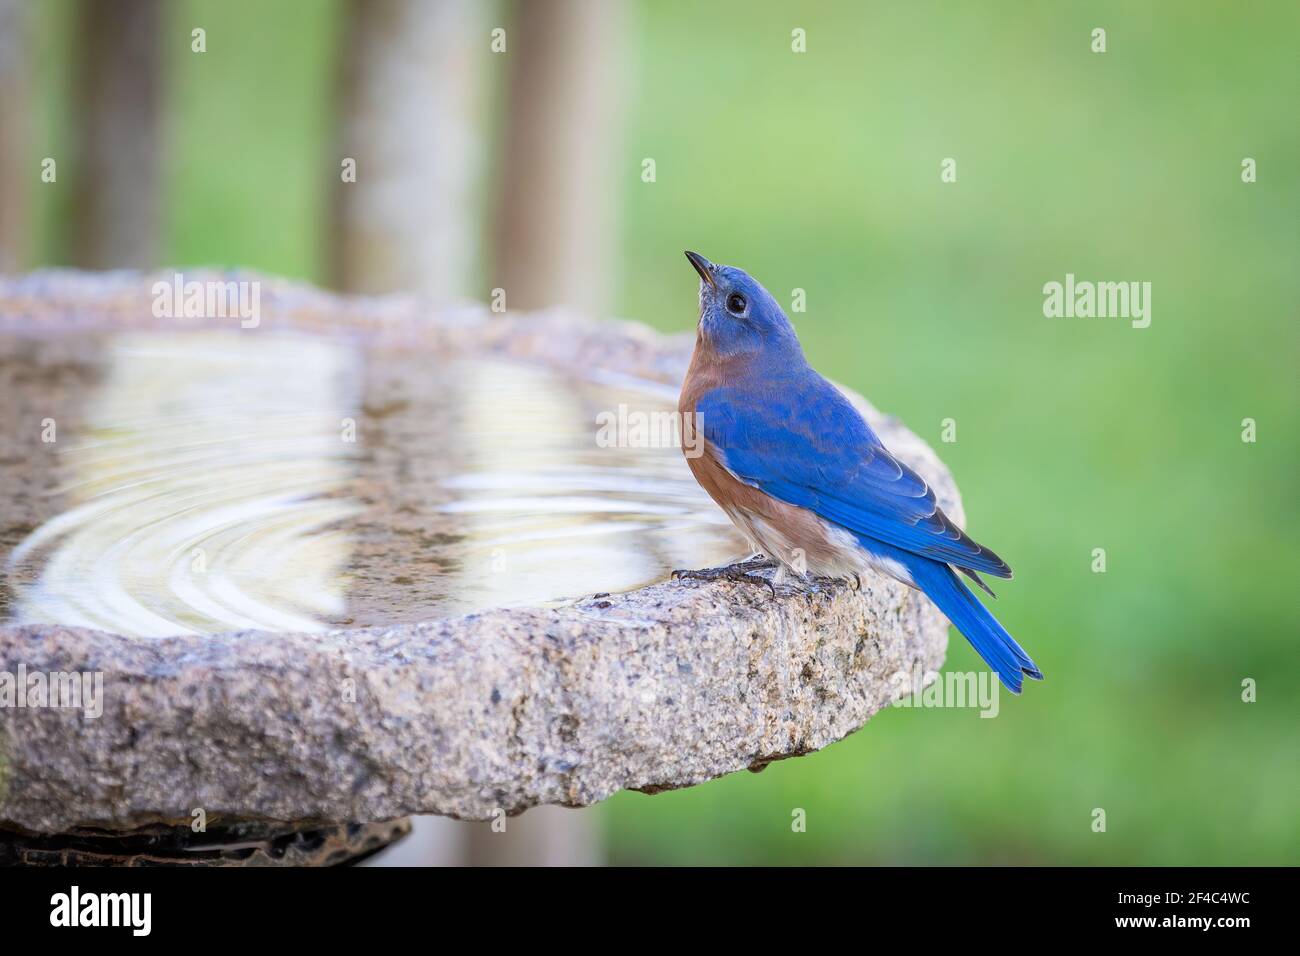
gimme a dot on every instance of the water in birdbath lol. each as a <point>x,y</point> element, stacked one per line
<point>206,482</point>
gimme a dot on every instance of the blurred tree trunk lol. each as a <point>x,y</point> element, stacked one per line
<point>544,836</point>
<point>555,218</point>
<point>412,124</point>
<point>555,243</point>
<point>116,133</point>
<point>16,173</point>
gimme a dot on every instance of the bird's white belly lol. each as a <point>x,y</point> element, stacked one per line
<point>837,553</point>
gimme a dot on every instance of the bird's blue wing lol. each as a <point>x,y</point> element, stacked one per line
<point>805,444</point>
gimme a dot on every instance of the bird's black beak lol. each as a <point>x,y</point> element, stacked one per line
<point>703,266</point>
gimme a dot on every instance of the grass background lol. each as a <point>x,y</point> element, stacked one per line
<point>821,171</point>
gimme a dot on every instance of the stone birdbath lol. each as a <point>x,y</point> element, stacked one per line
<point>272,583</point>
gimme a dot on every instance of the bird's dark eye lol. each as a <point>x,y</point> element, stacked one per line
<point>736,303</point>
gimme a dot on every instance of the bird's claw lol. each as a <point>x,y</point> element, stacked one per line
<point>742,573</point>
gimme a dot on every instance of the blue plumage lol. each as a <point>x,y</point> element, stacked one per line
<point>778,426</point>
<point>817,452</point>
<point>989,638</point>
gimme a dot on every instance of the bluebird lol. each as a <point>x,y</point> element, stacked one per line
<point>803,476</point>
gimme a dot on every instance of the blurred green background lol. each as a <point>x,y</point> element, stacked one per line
<point>821,171</point>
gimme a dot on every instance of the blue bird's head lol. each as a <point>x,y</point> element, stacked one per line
<point>739,317</point>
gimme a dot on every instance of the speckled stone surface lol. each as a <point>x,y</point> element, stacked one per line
<point>664,687</point>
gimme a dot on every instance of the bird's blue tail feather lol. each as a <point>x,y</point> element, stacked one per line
<point>989,638</point>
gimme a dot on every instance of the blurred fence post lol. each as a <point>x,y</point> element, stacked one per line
<point>15,173</point>
<point>116,133</point>
<point>558,197</point>
<point>412,125</point>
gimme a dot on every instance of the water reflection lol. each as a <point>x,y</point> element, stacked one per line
<point>216,482</point>
<point>201,491</point>
<point>546,513</point>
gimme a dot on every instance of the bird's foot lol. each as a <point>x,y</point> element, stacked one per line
<point>742,572</point>
<point>816,583</point>
<point>852,581</point>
